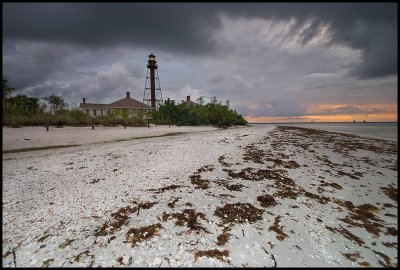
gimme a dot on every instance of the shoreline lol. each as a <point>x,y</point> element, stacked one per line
<point>257,196</point>
<point>37,138</point>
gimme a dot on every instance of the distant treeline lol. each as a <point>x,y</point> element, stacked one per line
<point>213,113</point>
<point>23,110</point>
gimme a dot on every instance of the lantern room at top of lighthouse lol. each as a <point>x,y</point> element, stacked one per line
<point>152,61</point>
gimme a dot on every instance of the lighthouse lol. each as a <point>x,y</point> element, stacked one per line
<point>152,90</point>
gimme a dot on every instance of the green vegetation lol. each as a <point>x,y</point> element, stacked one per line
<point>23,110</point>
<point>212,113</point>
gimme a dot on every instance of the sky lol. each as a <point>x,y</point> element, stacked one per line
<point>274,62</point>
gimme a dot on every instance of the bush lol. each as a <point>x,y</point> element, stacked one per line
<point>212,113</point>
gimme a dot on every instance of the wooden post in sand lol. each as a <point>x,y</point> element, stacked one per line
<point>92,126</point>
<point>47,126</point>
<point>148,125</point>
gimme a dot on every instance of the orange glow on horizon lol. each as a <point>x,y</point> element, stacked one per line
<point>382,117</point>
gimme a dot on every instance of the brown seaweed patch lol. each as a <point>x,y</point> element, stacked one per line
<point>391,231</point>
<point>363,216</point>
<point>387,263</point>
<point>352,256</point>
<point>77,258</point>
<point>334,185</point>
<point>172,204</point>
<point>234,187</point>
<point>286,164</point>
<point>200,183</point>
<point>266,200</point>
<point>348,204</point>
<point>224,237</point>
<point>390,191</point>
<point>291,164</point>
<point>346,233</point>
<point>390,244</point>
<point>46,263</point>
<point>388,205</point>
<point>188,218</point>
<point>206,168</point>
<point>146,205</point>
<point>352,176</point>
<point>161,190</point>
<point>119,219</point>
<point>280,234</point>
<point>221,160</point>
<point>365,264</point>
<point>254,154</point>
<point>67,242</point>
<point>8,253</point>
<point>287,193</point>
<point>318,198</point>
<point>261,174</point>
<point>134,235</point>
<point>41,239</point>
<point>214,253</point>
<point>239,213</point>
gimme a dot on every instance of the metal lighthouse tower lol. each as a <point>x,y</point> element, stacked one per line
<point>152,90</point>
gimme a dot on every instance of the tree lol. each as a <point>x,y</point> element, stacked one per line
<point>7,89</point>
<point>200,100</point>
<point>124,113</point>
<point>56,103</point>
<point>24,104</point>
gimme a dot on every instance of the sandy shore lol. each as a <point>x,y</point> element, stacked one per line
<point>251,196</point>
<point>37,137</point>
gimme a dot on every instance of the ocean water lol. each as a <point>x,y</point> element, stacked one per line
<point>375,130</point>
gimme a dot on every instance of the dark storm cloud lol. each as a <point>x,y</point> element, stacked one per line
<point>184,27</point>
<point>177,27</point>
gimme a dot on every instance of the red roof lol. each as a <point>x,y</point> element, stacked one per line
<point>190,103</point>
<point>125,103</point>
<point>128,103</point>
<point>91,106</point>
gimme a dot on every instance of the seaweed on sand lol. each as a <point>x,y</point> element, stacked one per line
<point>200,183</point>
<point>214,253</point>
<point>280,234</point>
<point>254,154</point>
<point>266,200</point>
<point>188,217</point>
<point>239,213</point>
<point>134,235</point>
<point>363,216</point>
<point>390,191</point>
<point>161,190</point>
<point>119,219</point>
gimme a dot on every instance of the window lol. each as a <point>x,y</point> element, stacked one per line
<point>87,111</point>
<point>94,112</point>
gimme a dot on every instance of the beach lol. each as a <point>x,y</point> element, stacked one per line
<point>255,196</point>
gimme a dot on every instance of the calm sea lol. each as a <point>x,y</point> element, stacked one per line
<point>376,130</point>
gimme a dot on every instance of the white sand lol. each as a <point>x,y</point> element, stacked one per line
<point>26,137</point>
<point>54,201</point>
